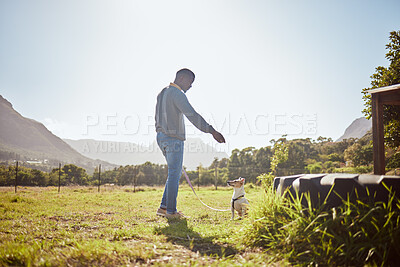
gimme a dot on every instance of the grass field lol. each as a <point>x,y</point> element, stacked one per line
<point>79,226</point>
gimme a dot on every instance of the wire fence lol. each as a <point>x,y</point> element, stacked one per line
<point>200,177</point>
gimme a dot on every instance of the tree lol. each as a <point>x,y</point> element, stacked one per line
<point>335,157</point>
<point>38,178</point>
<point>263,159</point>
<point>322,139</point>
<point>54,176</point>
<point>248,168</point>
<point>280,154</point>
<point>294,155</point>
<point>394,161</point>
<point>315,167</point>
<point>385,77</point>
<point>358,154</point>
<point>75,174</point>
<point>234,164</point>
<point>126,175</point>
<point>223,163</point>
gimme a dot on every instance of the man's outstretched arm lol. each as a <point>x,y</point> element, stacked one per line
<point>196,119</point>
<point>218,136</point>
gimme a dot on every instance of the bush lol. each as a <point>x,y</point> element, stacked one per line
<point>328,164</point>
<point>394,161</point>
<point>363,169</point>
<point>335,157</point>
<point>314,168</point>
<point>266,179</point>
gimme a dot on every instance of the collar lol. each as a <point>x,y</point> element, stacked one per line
<point>175,85</point>
<point>234,199</point>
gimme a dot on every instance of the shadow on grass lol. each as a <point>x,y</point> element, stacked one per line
<point>178,233</point>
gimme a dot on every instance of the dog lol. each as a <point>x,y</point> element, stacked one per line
<point>239,202</point>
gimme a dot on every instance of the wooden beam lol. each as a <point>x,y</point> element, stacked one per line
<point>377,133</point>
<point>390,98</point>
<point>392,103</point>
<point>385,89</point>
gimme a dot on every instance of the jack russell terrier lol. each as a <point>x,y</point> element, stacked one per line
<point>239,202</point>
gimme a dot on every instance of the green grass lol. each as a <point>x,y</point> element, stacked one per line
<point>354,234</point>
<point>79,226</point>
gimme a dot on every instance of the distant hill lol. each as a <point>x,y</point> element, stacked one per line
<point>124,153</point>
<point>357,129</point>
<point>26,139</point>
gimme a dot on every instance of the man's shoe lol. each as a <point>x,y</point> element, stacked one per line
<point>161,212</point>
<point>175,216</point>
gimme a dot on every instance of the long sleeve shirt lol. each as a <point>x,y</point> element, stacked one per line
<point>172,104</point>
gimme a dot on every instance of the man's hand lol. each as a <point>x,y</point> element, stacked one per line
<point>218,136</point>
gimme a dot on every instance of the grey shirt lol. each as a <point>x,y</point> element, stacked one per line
<point>172,104</point>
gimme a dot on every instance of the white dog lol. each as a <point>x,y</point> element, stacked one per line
<point>239,202</point>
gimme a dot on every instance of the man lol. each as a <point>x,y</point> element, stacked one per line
<point>172,104</point>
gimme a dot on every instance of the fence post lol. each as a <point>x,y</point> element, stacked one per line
<point>16,177</point>
<point>99,177</point>
<point>216,175</point>
<point>135,173</point>
<point>59,176</point>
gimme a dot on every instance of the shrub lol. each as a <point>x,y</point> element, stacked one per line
<point>394,161</point>
<point>266,179</point>
<point>363,169</point>
<point>314,168</point>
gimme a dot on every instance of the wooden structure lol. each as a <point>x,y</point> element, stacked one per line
<point>347,186</point>
<point>389,95</point>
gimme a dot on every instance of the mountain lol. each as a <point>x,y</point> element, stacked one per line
<point>357,129</point>
<point>26,139</point>
<point>123,153</point>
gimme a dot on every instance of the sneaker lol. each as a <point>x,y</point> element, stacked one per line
<point>176,215</point>
<point>161,212</point>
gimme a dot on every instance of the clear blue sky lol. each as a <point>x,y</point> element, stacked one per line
<point>263,68</point>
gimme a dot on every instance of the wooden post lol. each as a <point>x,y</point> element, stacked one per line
<point>59,177</point>
<point>98,190</point>
<point>10,171</point>
<point>378,136</point>
<point>16,176</point>
<point>134,178</point>
<point>216,175</point>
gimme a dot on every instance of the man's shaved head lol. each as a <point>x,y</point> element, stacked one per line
<point>185,72</point>
<point>184,79</point>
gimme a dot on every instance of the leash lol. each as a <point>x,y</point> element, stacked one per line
<point>187,179</point>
